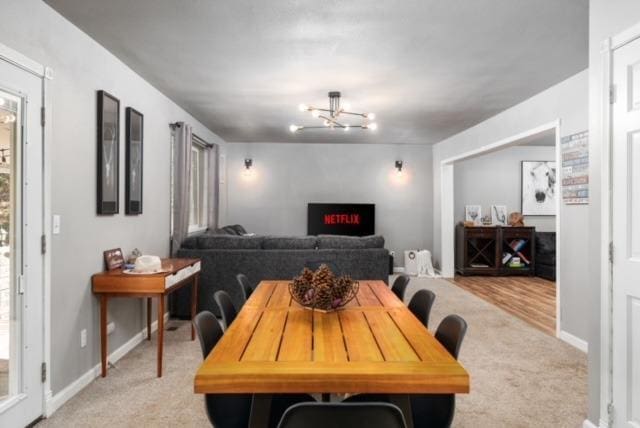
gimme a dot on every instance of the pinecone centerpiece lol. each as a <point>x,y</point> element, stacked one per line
<point>322,289</point>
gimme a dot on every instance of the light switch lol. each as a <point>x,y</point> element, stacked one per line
<point>56,224</point>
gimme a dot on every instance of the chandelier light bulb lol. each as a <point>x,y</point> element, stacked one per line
<point>293,128</point>
<point>372,126</point>
<point>2,101</point>
<point>371,116</point>
<point>315,113</point>
<point>303,107</point>
<point>346,107</point>
<point>347,128</point>
<point>327,123</point>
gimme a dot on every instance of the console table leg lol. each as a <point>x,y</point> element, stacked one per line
<point>148,318</point>
<point>194,303</point>
<point>103,333</point>
<point>160,332</point>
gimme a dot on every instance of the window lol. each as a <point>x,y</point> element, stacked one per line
<point>198,201</point>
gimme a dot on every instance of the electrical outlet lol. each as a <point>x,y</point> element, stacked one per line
<point>110,328</point>
<point>83,338</point>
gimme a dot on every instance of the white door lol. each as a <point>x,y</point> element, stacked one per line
<point>21,259</point>
<point>626,236</point>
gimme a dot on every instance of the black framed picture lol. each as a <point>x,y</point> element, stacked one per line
<point>539,188</point>
<point>108,153</point>
<point>133,161</point>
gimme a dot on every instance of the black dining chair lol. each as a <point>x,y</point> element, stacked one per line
<point>343,415</point>
<point>223,410</point>
<point>420,305</point>
<point>245,285</point>
<point>233,410</point>
<point>225,304</point>
<point>400,286</point>
<point>431,410</point>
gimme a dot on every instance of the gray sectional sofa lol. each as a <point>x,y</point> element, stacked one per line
<point>228,251</point>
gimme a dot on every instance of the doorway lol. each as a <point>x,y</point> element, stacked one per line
<point>545,299</point>
<point>22,260</point>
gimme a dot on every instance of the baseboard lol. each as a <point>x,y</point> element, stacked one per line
<point>574,341</point>
<point>398,269</point>
<point>54,402</point>
<point>588,424</point>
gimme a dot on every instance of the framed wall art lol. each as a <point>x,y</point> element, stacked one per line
<point>473,213</point>
<point>539,188</point>
<point>134,121</point>
<point>108,153</point>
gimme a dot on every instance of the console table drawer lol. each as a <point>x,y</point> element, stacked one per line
<point>481,233</point>
<point>181,275</point>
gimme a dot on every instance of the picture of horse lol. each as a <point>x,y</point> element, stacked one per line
<point>539,188</point>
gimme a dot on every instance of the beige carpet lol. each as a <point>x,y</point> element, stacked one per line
<point>520,377</point>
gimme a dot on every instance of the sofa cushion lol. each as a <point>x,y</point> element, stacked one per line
<point>289,242</point>
<point>340,242</point>
<point>230,242</point>
<point>230,230</point>
<point>238,229</point>
<point>191,242</point>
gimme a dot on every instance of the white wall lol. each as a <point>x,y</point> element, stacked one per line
<point>495,179</point>
<point>288,176</point>
<point>568,102</point>
<point>606,19</point>
<point>81,67</point>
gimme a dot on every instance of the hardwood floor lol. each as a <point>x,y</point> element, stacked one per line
<point>531,299</point>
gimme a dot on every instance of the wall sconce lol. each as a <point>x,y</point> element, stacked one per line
<point>399,167</point>
<point>248,163</point>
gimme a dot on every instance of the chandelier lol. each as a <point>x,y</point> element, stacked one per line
<point>336,116</point>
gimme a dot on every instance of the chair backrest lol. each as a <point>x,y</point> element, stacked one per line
<point>208,330</point>
<point>450,333</point>
<point>421,303</point>
<point>245,285</point>
<point>400,286</point>
<point>342,415</point>
<point>223,411</point>
<point>227,309</point>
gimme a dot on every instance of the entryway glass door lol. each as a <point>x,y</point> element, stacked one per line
<point>21,259</point>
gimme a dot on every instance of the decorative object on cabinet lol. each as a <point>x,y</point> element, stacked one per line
<point>133,150</point>
<point>516,219</point>
<point>498,215</point>
<point>473,213</point>
<point>108,186</point>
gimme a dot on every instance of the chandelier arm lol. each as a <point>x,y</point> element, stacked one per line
<point>354,113</point>
<point>332,120</point>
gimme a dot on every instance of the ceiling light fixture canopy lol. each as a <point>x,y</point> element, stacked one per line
<point>334,116</point>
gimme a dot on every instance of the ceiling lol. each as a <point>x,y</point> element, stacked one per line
<point>428,68</point>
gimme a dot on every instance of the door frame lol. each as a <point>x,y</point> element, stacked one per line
<point>45,74</point>
<point>608,48</point>
<point>447,201</point>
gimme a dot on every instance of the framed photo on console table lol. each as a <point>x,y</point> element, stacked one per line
<point>539,188</point>
<point>133,161</point>
<point>108,186</point>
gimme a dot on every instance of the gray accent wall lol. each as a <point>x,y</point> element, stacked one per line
<point>494,179</point>
<point>81,67</point>
<point>285,177</point>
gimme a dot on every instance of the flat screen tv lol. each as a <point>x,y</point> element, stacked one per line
<point>341,219</point>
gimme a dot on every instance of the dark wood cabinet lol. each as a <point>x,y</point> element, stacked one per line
<point>492,250</point>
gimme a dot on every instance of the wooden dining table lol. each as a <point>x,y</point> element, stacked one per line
<point>372,345</point>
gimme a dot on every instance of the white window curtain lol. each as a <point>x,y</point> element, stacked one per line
<point>182,181</point>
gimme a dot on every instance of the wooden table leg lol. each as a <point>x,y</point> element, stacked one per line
<point>194,303</point>
<point>148,318</point>
<point>404,403</point>
<point>103,333</point>
<point>160,332</point>
<point>260,410</point>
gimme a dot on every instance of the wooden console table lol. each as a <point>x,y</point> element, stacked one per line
<point>116,283</point>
